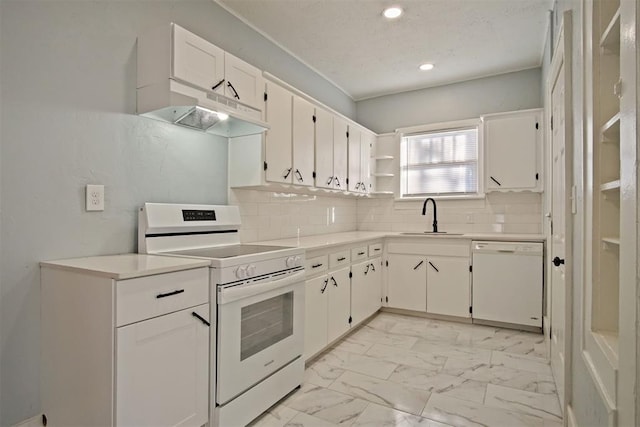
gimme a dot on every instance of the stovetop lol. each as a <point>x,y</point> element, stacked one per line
<point>228,251</point>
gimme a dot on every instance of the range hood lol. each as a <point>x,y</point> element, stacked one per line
<point>182,104</point>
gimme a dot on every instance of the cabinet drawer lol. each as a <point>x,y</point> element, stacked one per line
<point>339,258</point>
<point>317,264</point>
<point>145,297</point>
<point>359,253</point>
<point>375,249</point>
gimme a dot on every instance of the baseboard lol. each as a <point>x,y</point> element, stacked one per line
<point>31,422</point>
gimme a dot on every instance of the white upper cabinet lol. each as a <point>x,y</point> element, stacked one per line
<point>513,151</point>
<point>324,149</point>
<point>278,148</point>
<point>355,183</point>
<point>197,61</point>
<point>340,152</point>
<point>244,82</point>
<point>303,141</point>
<point>366,145</point>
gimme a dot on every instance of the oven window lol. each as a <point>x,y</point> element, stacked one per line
<point>265,323</point>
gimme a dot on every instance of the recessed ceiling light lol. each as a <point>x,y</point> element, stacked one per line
<point>392,12</point>
<point>426,67</point>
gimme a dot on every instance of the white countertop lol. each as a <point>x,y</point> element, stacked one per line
<point>126,266</point>
<point>327,240</point>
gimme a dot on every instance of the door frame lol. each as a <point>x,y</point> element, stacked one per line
<point>562,56</point>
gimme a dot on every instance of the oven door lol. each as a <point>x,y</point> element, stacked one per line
<point>260,329</point>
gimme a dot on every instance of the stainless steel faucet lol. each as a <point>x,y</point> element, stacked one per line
<point>435,213</point>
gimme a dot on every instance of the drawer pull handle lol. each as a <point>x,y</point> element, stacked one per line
<point>360,253</point>
<point>341,258</point>
<point>419,264</point>
<point>316,265</point>
<point>434,267</point>
<point>170,294</point>
<point>200,318</point>
<point>376,250</point>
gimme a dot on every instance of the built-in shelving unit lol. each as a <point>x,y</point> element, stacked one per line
<point>384,165</point>
<point>602,332</point>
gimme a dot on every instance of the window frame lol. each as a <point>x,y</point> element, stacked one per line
<point>442,127</point>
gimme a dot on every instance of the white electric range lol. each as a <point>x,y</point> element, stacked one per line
<point>257,301</point>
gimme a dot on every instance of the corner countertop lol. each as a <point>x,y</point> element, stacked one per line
<point>321,241</point>
<point>126,266</point>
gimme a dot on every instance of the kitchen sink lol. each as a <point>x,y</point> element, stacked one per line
<point>429,233</point>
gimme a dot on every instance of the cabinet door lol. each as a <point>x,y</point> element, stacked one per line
<point>244,82</point>
<point>365,159</point>
<point>359,291</point>
<point>340,152</point>
<point>197,61</point>
<point>355,182</point>
<point>278,153</point>
<point>162,370</point>
<point>407,282</point>
<point>303,141</point>
<point>512,146</point>
<point>315,326</point>
<point>324,149</point>
<point>339,303</point>
<point>448,289</point>
<point>374,284</point>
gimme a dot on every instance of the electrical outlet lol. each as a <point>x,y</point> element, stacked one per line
<point>95,197</point>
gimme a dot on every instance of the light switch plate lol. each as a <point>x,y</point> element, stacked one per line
<point>95,197</point>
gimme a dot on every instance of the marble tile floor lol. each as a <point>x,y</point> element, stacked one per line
<point>406,371</point>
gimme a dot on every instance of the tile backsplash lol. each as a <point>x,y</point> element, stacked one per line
<point>497,213</point>
<point>269,215</point>
<point>277,215</point>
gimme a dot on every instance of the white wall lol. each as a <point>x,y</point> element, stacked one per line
<point>506,92</point>
<point>67,93</point>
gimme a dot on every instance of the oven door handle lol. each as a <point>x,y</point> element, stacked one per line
<point>234,293</point>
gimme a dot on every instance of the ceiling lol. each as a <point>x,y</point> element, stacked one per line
<point>366,55</point>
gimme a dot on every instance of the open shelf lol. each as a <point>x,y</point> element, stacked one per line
<point>384,175</point>
<point>384,157</point>
<point>610,40</point>
<point>611,240</point>
<point>610,131</point>
<point>610,186</point>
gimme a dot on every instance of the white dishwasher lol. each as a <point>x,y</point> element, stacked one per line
<point>507,282</point>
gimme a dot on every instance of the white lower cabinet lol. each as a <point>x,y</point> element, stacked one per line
<point>315,325</point>
<point>339,303</point>
<point>162,375</point>
<point>407,282</point>
<point>366,289</point>
<point>448,286</point>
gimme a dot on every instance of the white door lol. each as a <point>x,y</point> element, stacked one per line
<point>303,141</point>
<point>197,61</point>
<point>407,282</point>
<point>448,286</point>
<point>340,152</point>
<point>244,82</point>
<point>354,159</point>
<point>315,317</point>
<point>162,370</point>
<point>339,304</point>
<point>324,149</point>
<point>278,152</point>
<point>560,238</point>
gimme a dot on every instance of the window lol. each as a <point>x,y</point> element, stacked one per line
<point>441,162</point>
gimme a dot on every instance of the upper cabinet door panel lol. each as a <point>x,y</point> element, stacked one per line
<point>244,82</point>
<point>303,141</point>
<point>197,61</point>
<point>512,148</point>
<point>278,154</point>
<point>340,152</point>
<point>324,149</point>
<point>355,183</point>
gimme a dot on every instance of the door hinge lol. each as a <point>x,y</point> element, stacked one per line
<point>549,331</point>
<point>350,320</point>
<point>314,118</point>
<point>265,165</point>
<point>537,177</point>
<point>313,174</point>
<point>386,263</point>
<point>470,310</point>
<point>536,125</point>
<point>387,299</point>
<point>347,134</point>
<point>471,269</point>
<point>551,122</point>
<point>347,181</point>
<point>350,275</point>
<point>265,97</point>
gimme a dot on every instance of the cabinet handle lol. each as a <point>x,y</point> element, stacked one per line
<point>373,267</point>
<point>334,282</point>
<point>235,94</point>
<point>337,181</point>
<point>341,258</point>
<point>367,270</point>
<point>286,173</point>
<point>434,267</point>
<point>376,250</point>
<point>419,264</point>
<point>495,180</point>
<point>299,175</point>
<point>170,294</point>
<point>329,180</point>
<point>316,265</point>
<point>217,85</point>
<point>324,287</point>
<point>202,319</point>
